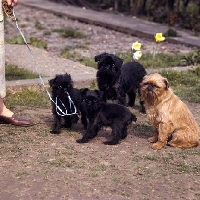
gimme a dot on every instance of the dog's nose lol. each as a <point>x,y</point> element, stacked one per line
<point>149,88</point>
<point>107,67</point>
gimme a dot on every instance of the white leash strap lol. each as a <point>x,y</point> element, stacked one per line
<point>58,109</point>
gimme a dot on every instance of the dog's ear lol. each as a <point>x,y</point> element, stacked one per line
<point>99,93</point>
<point>166,83</point>
<point>51,82</point>
<point>97,58</point>
<point>118,61</point>
<point>68,75</point>
<point>83,91</point>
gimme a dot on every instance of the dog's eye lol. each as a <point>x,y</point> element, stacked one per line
<point>156,86</point>
<point>59,86</point>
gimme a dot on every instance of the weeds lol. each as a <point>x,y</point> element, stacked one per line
<point>47,33</point>
<point>15,40</point>
<point>161,60</point>
<point>170,33</point>
<point>185,84</point>
<point>21,174</point>
<point>192,58</point>
<point>38,25</point>
<point>88,62</point>
<point>15,73</point>
<point>69,32</point>
<point>28,97</point>
<point>32,41</point>
<point>38,43</point>
<point>67,53</point>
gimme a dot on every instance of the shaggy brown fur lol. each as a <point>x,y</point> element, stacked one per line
<point>172,121</point>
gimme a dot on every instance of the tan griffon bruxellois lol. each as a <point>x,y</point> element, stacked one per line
<point>172,121</point>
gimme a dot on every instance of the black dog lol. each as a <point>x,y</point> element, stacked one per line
<point>62,90</point>
<point>101,114</point>
<point>117,80</point>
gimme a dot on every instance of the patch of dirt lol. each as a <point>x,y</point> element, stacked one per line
<point>38,165</point>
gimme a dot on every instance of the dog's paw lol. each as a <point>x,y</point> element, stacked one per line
<point>153,139</point>
<point>131,104</point>
<point>55,132</point>
<point>158,145</point>
<point>82,140</point>
<point>142,110</point>
<point>111,142</point>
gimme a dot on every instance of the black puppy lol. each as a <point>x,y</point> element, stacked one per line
<point>117,80</point>
<point>62,90</point>
<point>101,114</point>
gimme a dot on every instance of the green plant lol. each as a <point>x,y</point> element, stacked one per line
<point>69,32</point>
<point>32,41</point>
<point>69,55</point>
<point>47,33</point>
<point>192,58</point>
<point>185,84</point>
<point>161,60</point>
<point>87,61</point>
<point>38,43</point>
<point>15,40</point>
<point>28,97</point>
<point>38,25</point>
<point>170,33</point>
<point>15,73</point>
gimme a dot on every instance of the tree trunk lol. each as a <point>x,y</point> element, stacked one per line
<point>116,5</point>
<point>178,6</point>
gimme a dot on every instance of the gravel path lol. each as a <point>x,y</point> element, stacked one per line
<point>98,40</point>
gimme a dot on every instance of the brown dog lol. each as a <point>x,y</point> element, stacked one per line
<point>170,117</point>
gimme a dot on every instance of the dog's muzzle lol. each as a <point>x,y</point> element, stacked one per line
<point>149,88</point>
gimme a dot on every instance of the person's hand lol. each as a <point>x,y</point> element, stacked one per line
<point>12,2</point>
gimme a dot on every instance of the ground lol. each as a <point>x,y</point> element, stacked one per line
<point>38,165</point>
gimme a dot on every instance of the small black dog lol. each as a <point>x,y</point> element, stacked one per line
<point>62,88</point>
<point>117,80</point>
<point>101,114</point>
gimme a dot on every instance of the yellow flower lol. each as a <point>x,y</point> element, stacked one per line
<point>137,55</point>
<point>159,37</point>
<point>136,46</point>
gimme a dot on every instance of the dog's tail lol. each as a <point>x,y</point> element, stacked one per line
<point>133,117</point>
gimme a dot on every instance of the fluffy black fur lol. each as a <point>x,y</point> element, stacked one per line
<point>101,114</point>
<point>117,80</point>
<point>62,85</point>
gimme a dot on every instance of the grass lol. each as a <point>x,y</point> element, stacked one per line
<point>28,97</point>
<point>13,72</point>
<point>186,85</point>
<point>88,62</point>
<point>170,162</point>
<point>69,32</point>
<point>32,41</point>
<point>15,40</point>
<point>38,43</point>
<point>161,60</point>
<point>69,54</point>
<point>38,25</point>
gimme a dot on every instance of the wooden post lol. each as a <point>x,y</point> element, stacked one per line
<point>2,55</point>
